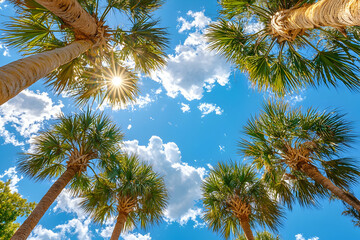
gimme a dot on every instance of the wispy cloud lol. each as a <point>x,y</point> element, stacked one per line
<point>185,107</point>
<point>207,108</point>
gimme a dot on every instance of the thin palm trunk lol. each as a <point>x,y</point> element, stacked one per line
<point>314,174</point>
<point>332,13</point>
<point>119,226</point>
<point>245,225</point>
<point>71,12</point>
<point>29,224</point>
<point>18,75</point>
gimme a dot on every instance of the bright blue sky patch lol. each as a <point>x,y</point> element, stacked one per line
<point>189,116</point>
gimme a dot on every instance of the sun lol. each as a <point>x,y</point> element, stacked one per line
<point>116,81</point>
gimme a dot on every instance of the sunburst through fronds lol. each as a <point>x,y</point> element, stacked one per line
<point>113,83</point>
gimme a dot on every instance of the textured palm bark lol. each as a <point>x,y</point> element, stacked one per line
<point>332,13</point>
<point>18,75</point>
<point>119,226</point>
<point>314,174</point>
<point>29,224</point>
<point>245,225</point>
<point>71,12</point>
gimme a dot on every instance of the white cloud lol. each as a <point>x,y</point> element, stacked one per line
<point>26,113</point>
<point>200,21</point>
<point>135,236</point>
<point>253,27</point>
<point>77,227</point>
<point>207,108</point>
<point>129,126</point>
<point>185,107</point>
<point>139,102</point>
<point>107,230</point>
<point>300,237</point>
<point>142,101</point>
<point>193,68</point>
<point>158,91</point>
<point>11,174</point>
<point>3,47</point>
<point>41,233</point>
<point>291,98</point>
<point>65,202</point>
<point>182,180</point>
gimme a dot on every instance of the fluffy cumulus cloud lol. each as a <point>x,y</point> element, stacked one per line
<point>207,108</point>
<point>193,68</point>
<point>182,180</point>
<point>200,21</point>
<point>301,237</point>
<point>76,228</point>
<point>25,115</point>
<point>73,227</point>
<point>185,107</point>
<point>11,174</point>
<point>253,27</point>
<point>65,202</point>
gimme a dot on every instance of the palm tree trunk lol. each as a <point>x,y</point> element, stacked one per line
<point>71,12</point>
<point>333,13</point>
<point>245,225</point>
<point>25,229</point>
<point>18,75</point>
<point>119,226</point>
<point>311,171</point>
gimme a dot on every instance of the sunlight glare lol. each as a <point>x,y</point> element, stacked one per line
<point>117,81</point>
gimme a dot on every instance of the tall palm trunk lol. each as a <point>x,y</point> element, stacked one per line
<point>314,174</point>
<point>71,12</point>
<point>18,75</point>
<point>245,225</point>
<point>119,226</point>
<point>25,229</point>
<point>332,13</point>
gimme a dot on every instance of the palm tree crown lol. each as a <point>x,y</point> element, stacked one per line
<point>287,142</point>
<point>105,55</point>
<point>66,151</point>
<point>244,35</point>
<point>127,187</point>
<point>75,141</point>
<point>232,194</point>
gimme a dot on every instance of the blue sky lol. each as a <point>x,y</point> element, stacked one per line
<point>188,117</point>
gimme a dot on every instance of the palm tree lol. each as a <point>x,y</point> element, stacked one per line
<point>233,196</point>
<point>246,36</point>
<point>66,151</point>
<point>70,44</point>
<point>261,236</point>
<point>332,13</point>
<point>129,191</point>
<point>299,153</point>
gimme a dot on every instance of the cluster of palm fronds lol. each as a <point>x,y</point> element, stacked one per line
<point>295,157</point>
<point>83,152</point>
<point>137,41</point>
<point>284,46</point>
<point>297,154</point>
